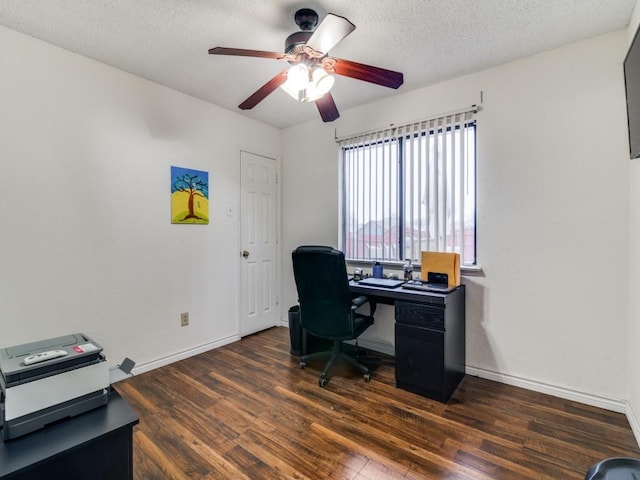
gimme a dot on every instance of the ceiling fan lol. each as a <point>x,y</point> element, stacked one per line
<point>309,78</point>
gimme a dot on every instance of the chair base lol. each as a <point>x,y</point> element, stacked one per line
<point>335,355</point>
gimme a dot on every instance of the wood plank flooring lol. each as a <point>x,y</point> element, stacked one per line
<point>247,411</point>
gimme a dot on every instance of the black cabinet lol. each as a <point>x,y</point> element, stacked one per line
<point>96,445</point>
<point>430,344</point>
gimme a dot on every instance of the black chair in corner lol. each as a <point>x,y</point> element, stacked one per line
<point>327,309</point>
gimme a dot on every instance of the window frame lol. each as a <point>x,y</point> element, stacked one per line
<point>400,138</point>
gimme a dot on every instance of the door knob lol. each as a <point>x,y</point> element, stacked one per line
<point>245,254</point>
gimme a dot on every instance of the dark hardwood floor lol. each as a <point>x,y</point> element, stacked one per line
<point>247,411</point>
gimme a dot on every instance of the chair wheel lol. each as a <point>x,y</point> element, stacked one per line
<point>367,377</point>
<point>322,381</point>
<point>303,364</point>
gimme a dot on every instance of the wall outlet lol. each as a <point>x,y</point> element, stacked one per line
<point>184,319</point>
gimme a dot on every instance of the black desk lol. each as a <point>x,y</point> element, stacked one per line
<point>429,337</point>
<point>96,445</point>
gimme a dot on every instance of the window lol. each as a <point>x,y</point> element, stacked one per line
<point>410,189</point>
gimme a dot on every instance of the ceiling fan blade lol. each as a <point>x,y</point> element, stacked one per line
<point>327,108</point>
<point>368,73</point>
<point>263,91</point>
<point>329,33</point>
<point>241,52</point>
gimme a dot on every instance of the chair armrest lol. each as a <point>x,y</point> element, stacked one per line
<point>357,302</point>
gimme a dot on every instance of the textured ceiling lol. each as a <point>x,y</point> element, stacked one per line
<point>166,41</point>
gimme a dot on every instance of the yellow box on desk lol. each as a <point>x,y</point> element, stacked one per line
<point>441,262</point>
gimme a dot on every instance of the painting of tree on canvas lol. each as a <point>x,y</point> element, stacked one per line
<point>189,196</point>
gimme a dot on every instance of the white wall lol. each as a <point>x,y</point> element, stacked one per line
<point>633,412</point>
<point>551,309</point>
<point>86,240</point>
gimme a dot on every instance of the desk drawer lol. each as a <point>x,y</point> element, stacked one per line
<point>420,315</point>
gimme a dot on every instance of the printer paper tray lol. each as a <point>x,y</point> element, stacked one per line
<point>35,421</point>
<point>46,392</point>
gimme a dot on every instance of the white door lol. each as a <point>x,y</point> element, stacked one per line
<point>259,272</point>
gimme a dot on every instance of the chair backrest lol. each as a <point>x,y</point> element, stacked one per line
<point>323,291</point>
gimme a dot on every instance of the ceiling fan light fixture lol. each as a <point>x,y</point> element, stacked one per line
<point>308,90</point>
<point>296,93</point>
<point>298,77</point>
<point>322,81</point>
<point>310,95</point>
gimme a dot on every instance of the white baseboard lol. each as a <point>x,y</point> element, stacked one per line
<point>174,357</point>
<point>633,421</point>
<point>566,393</point>
<point>613,405</point>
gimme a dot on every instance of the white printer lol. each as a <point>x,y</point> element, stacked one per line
<point>48,380</point>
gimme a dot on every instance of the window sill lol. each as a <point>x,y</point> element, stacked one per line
<point>395,268</point>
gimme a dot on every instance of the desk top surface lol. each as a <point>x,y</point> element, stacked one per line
<point>53,440</point>
<point>399,293</point>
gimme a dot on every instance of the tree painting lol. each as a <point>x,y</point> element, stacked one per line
<point>189,196</point>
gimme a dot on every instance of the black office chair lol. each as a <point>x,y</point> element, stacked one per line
<point>326,307</point>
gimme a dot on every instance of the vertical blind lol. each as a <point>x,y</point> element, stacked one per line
<point>410,188</point>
